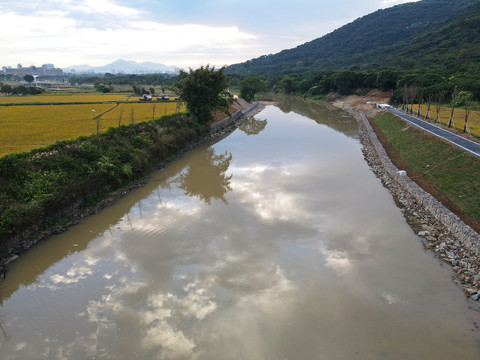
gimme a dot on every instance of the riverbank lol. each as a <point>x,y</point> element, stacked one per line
<point>440,230</point>
<point>173,145</point>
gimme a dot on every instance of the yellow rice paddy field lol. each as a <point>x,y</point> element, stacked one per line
<point>458,118</point>
<point>70,98</point>
<point>66,98</point>
<point>24,127</point>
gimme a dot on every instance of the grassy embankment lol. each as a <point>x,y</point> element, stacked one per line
<point>451,171</point>
<point>43,186</point>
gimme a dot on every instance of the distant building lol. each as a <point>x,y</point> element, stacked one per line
<point>46,69</point>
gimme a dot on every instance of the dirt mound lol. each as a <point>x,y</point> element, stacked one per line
<point>241,104</point>
<point>365,103</point>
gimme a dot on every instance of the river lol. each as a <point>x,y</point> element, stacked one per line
<point>275,242</point>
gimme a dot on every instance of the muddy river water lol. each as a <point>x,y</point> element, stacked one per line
<point>276,242</point>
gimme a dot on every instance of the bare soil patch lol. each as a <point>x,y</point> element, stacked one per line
<point>238,104</point>
<point>365,103</point>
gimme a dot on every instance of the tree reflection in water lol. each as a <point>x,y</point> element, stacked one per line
<point>205,177</point>
<point>253,126</point>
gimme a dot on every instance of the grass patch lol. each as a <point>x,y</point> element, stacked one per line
<point>455,173</point>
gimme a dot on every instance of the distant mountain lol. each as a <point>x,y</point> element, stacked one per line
<point>124,66</point>
<point>400,36</point>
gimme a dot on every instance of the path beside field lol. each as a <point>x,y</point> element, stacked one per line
<point>459,141</point>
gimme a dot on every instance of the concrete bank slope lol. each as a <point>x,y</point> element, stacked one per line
<point>230,120</point>
<point>441,231</point>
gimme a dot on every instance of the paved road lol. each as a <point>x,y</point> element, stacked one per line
<point>465,144</point>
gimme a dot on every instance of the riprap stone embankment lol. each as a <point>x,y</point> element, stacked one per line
<point>441,231</point>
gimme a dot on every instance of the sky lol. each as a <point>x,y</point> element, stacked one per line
<point>184,33</point>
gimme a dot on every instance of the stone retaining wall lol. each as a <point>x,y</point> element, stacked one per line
<point>445,233</point>
<point>237,115</point>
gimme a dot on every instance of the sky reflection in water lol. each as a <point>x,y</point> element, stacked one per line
<point>277,242</point>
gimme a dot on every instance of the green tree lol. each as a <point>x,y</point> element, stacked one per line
<point>250,86</point>
<point>136,89</point>
<point>204,90</point>
<point>6,89</point>
<point>287,84</point>
<point>468,105</point>
<point>455,97</point>
<point>439,99</point>
<point>103,88</point>
<point>387,80</point>
<point>346,82</point>
<point>17,90</point>
<point>28,78</point>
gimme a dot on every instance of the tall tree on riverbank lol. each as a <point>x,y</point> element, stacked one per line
<point>429,105</point>
<point>420,99</point>
<point>455,95</point>
<point>287,84</point>
<point>439,99</point>
<point>412,92</point>
<point>404,98</point>
<point>468,109</point>
<point>250,86</point>
<point>204,90</point>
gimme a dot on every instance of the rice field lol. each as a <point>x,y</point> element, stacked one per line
<point>69,98</point>
<point>458,118</point>
<point>25,127</point>
<point>65,98</point>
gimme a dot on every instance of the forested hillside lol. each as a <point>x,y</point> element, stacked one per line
<point>412,34</point>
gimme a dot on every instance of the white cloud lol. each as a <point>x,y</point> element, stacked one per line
<point>397,2</point>
<point>55,37</point>
<point>33,25</point>
<point>105,7</point>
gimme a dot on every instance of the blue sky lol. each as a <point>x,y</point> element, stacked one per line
<point>184,33</point>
